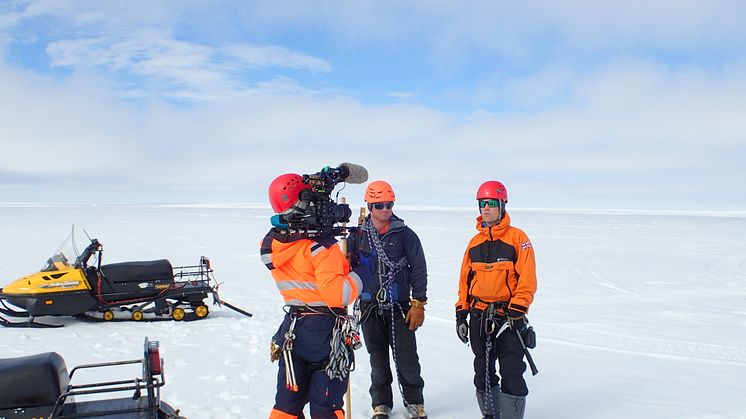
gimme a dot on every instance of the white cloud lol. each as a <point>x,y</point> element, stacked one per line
<point>176,68</point>
<point>632,126</point>
<point>518,31</point>
<point>275,56</point>
<point>569,129</point>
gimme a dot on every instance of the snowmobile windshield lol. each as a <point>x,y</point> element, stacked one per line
<point>65,256</point>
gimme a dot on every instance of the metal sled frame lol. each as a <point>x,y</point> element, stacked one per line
<point>151,381</point>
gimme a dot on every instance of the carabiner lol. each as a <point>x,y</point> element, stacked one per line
<point>490,325</point>
<point>381,295</point>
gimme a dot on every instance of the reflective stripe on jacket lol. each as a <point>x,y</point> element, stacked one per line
<point>498,266</point>
<point>311,272</point>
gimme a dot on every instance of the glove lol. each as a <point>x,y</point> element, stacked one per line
<point>462,327</point>
<point>415,315</point>
<point>517,320</point>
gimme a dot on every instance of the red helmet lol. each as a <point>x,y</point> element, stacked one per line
<point>285,190</point>
<point>492,189</point>
<point>379,191</point>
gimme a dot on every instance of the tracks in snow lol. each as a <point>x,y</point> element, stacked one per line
<point>642,345</point>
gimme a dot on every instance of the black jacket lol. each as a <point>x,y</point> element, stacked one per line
<point>398,242</point>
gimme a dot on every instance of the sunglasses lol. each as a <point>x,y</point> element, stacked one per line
<point>492,203</point>
<point>382,205</point>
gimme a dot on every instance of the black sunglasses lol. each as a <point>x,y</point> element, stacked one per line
<point>492,203</point>
<point>382,205</point>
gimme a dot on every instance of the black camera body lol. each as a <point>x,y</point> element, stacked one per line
<point>316,214</point>
<point>317,211</point>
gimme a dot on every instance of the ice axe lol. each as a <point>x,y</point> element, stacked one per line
<point>530,360</point>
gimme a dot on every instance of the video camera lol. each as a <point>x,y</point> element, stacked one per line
<point>316,214</point>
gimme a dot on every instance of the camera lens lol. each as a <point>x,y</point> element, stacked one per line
<point>342,213</point>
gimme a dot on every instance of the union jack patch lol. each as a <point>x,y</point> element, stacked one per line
<point>525,245</point>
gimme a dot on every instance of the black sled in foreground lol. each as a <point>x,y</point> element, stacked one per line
<point>38,386</point>
<point>68,285</point>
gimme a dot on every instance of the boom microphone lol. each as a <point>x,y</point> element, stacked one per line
<point>353,173</point>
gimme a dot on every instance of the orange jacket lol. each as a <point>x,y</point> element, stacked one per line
<point>311,272</point>
<point>498,266</point>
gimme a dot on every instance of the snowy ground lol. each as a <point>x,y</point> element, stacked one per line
<point>638,314</point>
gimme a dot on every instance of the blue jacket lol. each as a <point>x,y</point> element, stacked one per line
<point>398,242</point>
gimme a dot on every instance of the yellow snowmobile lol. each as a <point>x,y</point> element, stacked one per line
<point>68,285</point>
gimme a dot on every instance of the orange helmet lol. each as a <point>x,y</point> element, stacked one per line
<point>285,190</point>
<point>492,189</point>
<point>379,191</point>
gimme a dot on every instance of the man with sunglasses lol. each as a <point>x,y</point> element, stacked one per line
<point>496,287</point>
<point>392,304</point>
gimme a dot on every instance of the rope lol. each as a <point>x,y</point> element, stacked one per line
<point>488,321</point>
<point>383,258</point>
<point>489,327</point>
<point>383,296</point>
<point>345,339</point>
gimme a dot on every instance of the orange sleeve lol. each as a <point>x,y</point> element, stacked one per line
<point>463,287</point>
<point>337,285</point>
<point>525,267</point>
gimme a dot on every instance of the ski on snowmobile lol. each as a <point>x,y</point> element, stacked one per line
<point>39,386</point>
<point>70,284</point>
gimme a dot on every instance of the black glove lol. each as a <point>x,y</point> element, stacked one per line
<point>462,327</point>
<point>517,320</point>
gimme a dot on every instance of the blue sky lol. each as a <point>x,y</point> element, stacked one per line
<point>571,104</point>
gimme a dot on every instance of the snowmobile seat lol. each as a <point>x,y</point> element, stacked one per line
<point>30,381</point>
<point>138,271</point>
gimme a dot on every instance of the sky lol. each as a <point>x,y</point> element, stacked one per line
<point>571,104</point>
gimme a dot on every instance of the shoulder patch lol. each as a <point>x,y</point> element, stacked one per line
<point>526,245</point>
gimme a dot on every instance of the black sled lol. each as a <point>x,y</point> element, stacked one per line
<point>38,386</point>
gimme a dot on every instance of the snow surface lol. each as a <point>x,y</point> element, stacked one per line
<point>638,314</point>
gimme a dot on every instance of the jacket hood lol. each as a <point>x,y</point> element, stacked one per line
<point>497,229</point>
<point>283,252</point>
<point>396,223</point>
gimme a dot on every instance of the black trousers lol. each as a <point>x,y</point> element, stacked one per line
<point>506,351</point>
<point>376,325</point>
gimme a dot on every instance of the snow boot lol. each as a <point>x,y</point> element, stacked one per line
<point>381,412</point>
<point>511,407</point>
<point>489,412</point>
<point>417,411</point>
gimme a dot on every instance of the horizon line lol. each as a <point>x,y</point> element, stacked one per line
<point>252,205</point>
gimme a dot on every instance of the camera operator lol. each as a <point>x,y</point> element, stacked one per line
<point>315,281</point>
<point>394,255</point>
